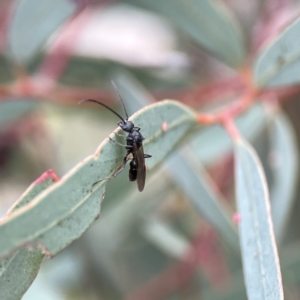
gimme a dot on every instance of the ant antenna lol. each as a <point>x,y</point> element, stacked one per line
<point>117,91</point>
<point>92,100</point>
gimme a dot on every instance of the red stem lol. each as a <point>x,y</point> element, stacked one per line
<point>281,93</point>
<point>213,91</point>
<point>231,128</point>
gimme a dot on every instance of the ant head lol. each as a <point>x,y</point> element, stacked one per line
<point>126,125</point>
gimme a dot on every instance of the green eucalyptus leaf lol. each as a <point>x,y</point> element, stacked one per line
<point>33,23</point>
<point>279,64</point>
<point>285,163</point>
<point>18,271</point>
<point>122,222</point>
<point>64,211</point>
<point>259,253</point>
<point>165,238</point>
<point>12,110</point>
<point>43,182</point>
<point>209,23</point>
<point>193,180</point>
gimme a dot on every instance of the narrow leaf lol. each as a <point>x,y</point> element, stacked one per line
<point>279,63</point>
<point>285,163</point>
<point>18,271</point>
<point>13,110</point>
<point>259,253</point>
<point>192,179</point>
<point>165,238</point>
<point>33,23</point>
<point>65,210</point>
<point>208,22</point>
<point>122,222</point>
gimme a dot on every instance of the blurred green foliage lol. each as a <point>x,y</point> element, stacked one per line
<point>179,238</point>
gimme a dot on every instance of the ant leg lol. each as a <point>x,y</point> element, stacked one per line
<point>120,143</point>
<point>123,135</point>
<point>122,168</point>
<point>117,173</point>
<point>147,155</point>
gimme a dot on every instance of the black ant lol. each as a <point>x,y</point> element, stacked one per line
<point>134,146</point>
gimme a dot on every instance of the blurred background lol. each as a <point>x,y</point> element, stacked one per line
<point>158,244</point>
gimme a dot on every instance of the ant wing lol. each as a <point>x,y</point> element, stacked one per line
<point>138,155</point>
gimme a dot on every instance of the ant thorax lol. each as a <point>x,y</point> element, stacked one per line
<point>135,137</point>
